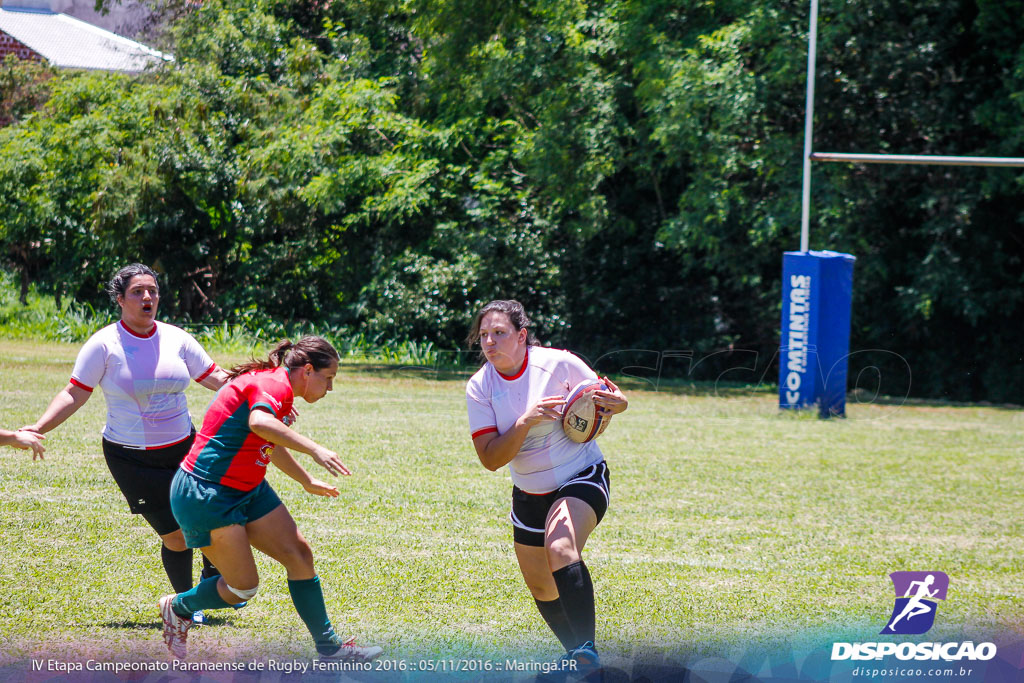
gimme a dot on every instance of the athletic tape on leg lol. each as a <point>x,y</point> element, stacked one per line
<point>246,594</point>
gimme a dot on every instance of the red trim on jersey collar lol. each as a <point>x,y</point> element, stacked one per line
<point>526,361</point>
<point>136,334</point>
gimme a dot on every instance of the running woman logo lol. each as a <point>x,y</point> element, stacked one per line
<point>916,592</point>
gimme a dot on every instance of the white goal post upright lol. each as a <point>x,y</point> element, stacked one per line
<point>805,206</point>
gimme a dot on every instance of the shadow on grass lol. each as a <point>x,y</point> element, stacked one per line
<point>133,625</point>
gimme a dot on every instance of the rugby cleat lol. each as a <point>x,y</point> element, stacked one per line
<point>586,658</point>
<point>348,651</point>
<point>175,628</point>
<point>586,655</point>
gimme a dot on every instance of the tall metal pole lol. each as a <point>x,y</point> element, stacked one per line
<point>805,208</point>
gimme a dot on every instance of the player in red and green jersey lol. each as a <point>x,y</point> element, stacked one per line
<point>226,451</point>
<point>225,506</point>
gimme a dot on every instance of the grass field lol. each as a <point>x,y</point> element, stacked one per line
<point>732,526</point>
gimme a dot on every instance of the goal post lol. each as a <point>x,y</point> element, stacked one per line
<point>817,286</point>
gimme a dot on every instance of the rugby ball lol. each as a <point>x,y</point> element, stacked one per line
<point>580,419</point>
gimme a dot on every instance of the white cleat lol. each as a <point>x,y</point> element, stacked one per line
<point>348,651</point>
<point>175,628</point>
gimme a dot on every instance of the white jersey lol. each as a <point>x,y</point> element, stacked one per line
<point>548,458</point>
<point>143,381</point>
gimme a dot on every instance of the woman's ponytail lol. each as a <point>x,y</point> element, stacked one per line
<point>279,352</point>
<point>316,351</point>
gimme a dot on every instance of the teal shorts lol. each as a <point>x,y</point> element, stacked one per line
<point>201,506</point>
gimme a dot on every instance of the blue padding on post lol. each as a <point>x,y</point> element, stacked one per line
<point>817,289</point>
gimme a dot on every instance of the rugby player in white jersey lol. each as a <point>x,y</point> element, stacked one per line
<point>560,488</point>
<point>143,367</point>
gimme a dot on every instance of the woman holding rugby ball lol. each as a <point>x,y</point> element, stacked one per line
<point>143,367</point>
<point>560,488</point>
<point>225,506</point>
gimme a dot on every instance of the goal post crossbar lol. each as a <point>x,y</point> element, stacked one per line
<point>919,159</point>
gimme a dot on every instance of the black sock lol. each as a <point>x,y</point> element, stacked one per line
<point>178,565</point>
<point>555,616</point>
<point>576,593</point>
<point>208,569</point>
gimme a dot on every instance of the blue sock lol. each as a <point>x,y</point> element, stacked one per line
<point>202,596</point>
<point>308,598</point>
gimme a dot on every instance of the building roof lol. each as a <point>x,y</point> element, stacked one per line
<point>68,43</point>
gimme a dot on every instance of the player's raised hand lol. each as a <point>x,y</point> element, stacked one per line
<point>329,460</point>
<point>27,439</point>
<point>321,488</point>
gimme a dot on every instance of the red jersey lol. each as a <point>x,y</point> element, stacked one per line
<point>226,451</point>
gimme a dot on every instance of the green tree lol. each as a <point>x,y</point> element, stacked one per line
<point>629,169</point>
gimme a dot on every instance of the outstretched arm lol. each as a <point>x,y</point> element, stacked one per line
<point>65,404</point>
<point>285,462</point>
<point>264,424</point>
<point>215,380</point>
<point>23,440</point>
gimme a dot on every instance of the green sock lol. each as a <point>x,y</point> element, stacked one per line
<point>201,596</point>
<point>308,597</point>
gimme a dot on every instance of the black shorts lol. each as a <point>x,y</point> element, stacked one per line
<point>144,477</point>
<point>530,510</point>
